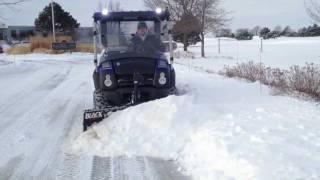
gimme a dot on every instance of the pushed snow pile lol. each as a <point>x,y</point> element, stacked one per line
<point>219,129</point>
<point>149,128</point>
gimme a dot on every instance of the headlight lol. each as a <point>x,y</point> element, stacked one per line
<point>162,63</point>
<point>105,11</point>
<point>108,81</point>
<point>162,79</point>
<point>106,65</point>
<point>158,10</point>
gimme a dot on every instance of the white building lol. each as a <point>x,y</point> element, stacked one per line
<point>3,30</point>
<point>21,33</point>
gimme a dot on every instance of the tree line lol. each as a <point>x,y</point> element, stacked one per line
<point>267,33</point>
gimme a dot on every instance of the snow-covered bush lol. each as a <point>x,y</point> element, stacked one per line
<point>304,79</point>
<point>275,77</point>
<point>249,71</point>
<point>183,54</point>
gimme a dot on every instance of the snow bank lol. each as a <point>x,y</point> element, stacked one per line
<point>216,132</point>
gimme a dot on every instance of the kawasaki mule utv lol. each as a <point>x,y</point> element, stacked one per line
<point>132,67</point>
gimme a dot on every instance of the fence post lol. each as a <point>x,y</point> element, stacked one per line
<point>219,45</point>
<point>260,68</point>
<point>261,45</point>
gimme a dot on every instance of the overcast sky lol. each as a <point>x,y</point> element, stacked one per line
<point>245,13</point>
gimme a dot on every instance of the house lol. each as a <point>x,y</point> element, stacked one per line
<point>3,31</point>
<point>84,34</point>
<point>20,33</point>
<point>15,33</point>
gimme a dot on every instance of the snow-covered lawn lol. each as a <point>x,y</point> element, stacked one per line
<point>283,52</point>
<point>217,128</point>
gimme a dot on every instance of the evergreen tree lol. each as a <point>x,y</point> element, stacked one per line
<point>303,32</point>
<point>264,32</point>
<point>314,30</point>
<point>309,31</point>
<point>286,31</point>
<point>243,34</point>
<point>64,22</point>
<point>225,32</point>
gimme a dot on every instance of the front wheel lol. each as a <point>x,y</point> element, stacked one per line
<point>99,102</point>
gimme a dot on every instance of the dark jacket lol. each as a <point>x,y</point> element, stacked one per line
<point>151,44</point>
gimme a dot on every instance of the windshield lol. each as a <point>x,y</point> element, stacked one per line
<point>142,37</point>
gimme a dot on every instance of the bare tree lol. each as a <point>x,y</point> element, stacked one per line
<point>177,8</point>
<point>208,12</point>
<point>185,33</point>
<point>114,6</point>
<point>256,30</point>
<point>111,6</point>
<point>313,9</point>
<point>211,17</point>
<point>9,3</point>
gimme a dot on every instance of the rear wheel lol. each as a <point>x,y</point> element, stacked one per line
<point>99,102</point>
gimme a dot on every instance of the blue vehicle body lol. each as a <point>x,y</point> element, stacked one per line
<point>125,76</point>
<point>116,71</point>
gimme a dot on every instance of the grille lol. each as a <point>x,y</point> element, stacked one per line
<point>127,80</point>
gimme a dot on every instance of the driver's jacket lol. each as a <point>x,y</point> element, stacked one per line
<point>150,44</point>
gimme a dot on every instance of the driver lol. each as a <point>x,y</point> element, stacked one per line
<point>144,42</point>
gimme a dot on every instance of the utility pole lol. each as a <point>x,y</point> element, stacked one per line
<point>53,23</point>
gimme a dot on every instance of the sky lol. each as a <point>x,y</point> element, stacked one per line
<point>244,13</point>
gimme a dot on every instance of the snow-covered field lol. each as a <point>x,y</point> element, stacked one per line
<point>282,52</point>
<point>216,128</point>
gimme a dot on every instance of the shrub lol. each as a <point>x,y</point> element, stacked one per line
<point>44,45</point>
<point>183,54</point>
<point>17,50</point>
<point>304,79</point>
<point>88,48</point>
<point>249,71</point>
<point>46,42</point>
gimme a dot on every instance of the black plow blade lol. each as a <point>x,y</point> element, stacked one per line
<point>92,116</point>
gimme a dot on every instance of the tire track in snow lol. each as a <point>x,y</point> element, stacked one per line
<point>41,131</point>
<point>135,168</point>
<point>20,105</point>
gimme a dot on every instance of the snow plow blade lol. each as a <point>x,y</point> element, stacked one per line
<point>92,116</point>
